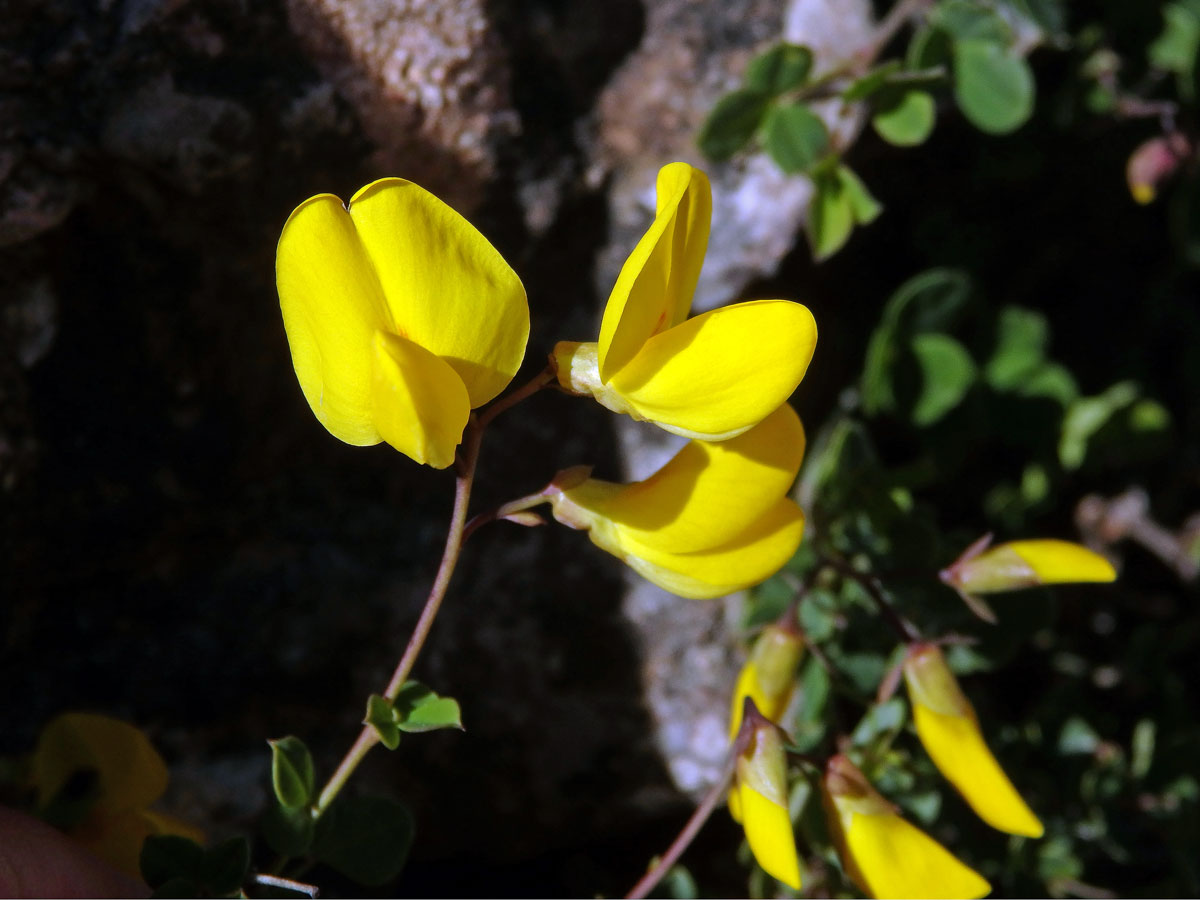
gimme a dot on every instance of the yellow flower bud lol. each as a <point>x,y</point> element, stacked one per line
<point>949,730</point>
<point>711,377</point>
<point>400,316</point>
<point>769,675</point>
<point>1021,564</point>
<point>882,853</point>
<point>713,520</point>
<point>760,784</point>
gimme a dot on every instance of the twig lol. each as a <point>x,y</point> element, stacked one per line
<point>906,631</point>
<point>287,884</point>
<point>468,459</point>
<point>663,865</point>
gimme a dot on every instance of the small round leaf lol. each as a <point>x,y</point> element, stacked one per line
<point>291,772</point>
<point>994,87</point>
<point>906,119</point>
<point>780,69</point>
<point>795,137</point>
<point>732,123</point>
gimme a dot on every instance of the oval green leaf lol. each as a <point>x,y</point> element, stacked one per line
<point>367,839</point>
<point>795,137</point>
<point>994,88</point>
<point>947,372</point>
<point>780,69</point>
<point>906,119</point>
<point>291,772</point>
<point>732,123</point>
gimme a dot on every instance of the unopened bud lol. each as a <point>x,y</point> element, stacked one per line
<point>1154,162</point>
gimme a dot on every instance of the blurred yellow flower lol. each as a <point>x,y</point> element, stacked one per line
<point>760,785</point>
<point>1021,564</point>
<point>401,317</point>
<point>881,852</point>
<point>713,520</point>
<point>949,730</point>
<point>122,776</point>
<point>711,377</point>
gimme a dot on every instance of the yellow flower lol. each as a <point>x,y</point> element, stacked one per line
<point>760,784</point>
<point>711,377</point>
<point>400,316</point>
<point>713,520</point>
<point>881,852</point>
<point>949,730</point>
<point>123,775</point>
<point>1021,564</point>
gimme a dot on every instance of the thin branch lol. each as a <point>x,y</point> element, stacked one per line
<point>905,630</point>
<point>287,884</point>
<point>705,809</point>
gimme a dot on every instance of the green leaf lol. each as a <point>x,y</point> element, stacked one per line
<point>965,20</point>
<point>780,69</point>
<point>1052,381</point>
<point>930,48</point>
<point>167,856</point>
<point>679,884</point>
<point>291,772</point>
<point>1077,738</point>
<point>863,205</point>
<point>905,118</point>
<point>1143,748</point>
<point>882,718</point>
<point>1175,49</point>
<point>289,832</point>
<point>929,301</point>
<point>732,123</point>
<point>830,218</point>
<point>381,716</point>
<point>1021,341</point>
<point>367,839</point>
<point>225,866</point>
<point>419,709</point>
<point>1088,415</point>
<point>947,372</point>
<point>993,86</point>
<point>795,137</point>
<point>1048,15</point>
<point>871,82</point>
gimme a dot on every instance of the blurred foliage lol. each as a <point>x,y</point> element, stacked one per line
<point>975,409</point>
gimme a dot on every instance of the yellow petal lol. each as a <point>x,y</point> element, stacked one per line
<point>1057,562</point>
<point>897,859</point>
<point>710,493</point>
<point>418,402</point>
<point>654,290</point>
<point>131,773</point>
<point>769,833</point>
<point>749,559</point>
<point>722,372</point>
<point>448,289</point>
<point>332,304</point>
<point>956,746</point>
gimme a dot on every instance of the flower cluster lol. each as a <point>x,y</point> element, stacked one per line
<point>881,852</point>
<point>402,318</point>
